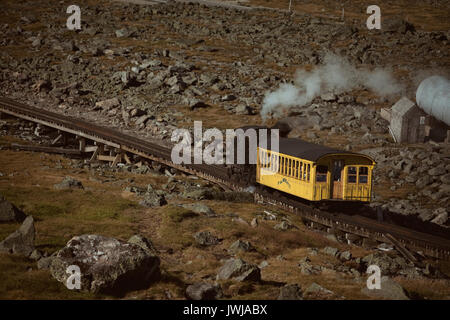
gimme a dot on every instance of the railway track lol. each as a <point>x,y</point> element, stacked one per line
<point>403,238</point>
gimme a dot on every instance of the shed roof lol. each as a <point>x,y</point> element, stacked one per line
<point>402,106</point>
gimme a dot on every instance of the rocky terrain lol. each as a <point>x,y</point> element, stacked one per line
<point>148,70</point>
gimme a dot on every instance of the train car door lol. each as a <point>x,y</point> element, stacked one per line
<point>337,177</point>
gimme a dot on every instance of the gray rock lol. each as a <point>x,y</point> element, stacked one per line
<point>239,246</point>
<point>135,112</point>
<point>390,290</point>
<point>317,290</point>
<point>199,209</point>
<point>290,292</point>
<point>329,97</point>
<point>144,243</point>
<point>206,238</point>
<point>108,104</point>
<point>106,264</point>
<point>21,241</point>
<point>345,256</point>
<point>142,119</point>
<point>242,109</point>
<point>239,270</point>
<point>36,255</point>
<point>228,97</point>
<point>388,265</point>
<point>45,263</point>
<point>195,103</point>
<point>203,291</point>
<point>441,218</point>
<point>126,77</point>
<point>240,220</point>
<point>283,226</point>
<point>307,269</point>
<point>330,251</point>
<point>445,179</point>
<point>153,199</point>
<point>123,33</point>
<point>195,193</point>
<point>69,183</point>
<point>311,135</point>
<point>150,63</point>
<point>9,212</point>
<point>423,181</point>
<point>437,171</point>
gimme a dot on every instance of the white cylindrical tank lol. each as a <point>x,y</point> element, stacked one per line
<point>433,96</point>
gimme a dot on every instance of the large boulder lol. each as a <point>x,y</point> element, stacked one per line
<point>107,265</point>
<point>203,291</point>
<point>9,212</point>
<point>389,290</point>
<point>239,270</point>
<point>21,241</point>
<point>388,265</point>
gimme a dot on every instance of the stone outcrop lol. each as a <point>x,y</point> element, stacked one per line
<point>21,241</point>
<point>106,264</point>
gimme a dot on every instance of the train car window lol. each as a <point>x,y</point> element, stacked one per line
<point>363,175</point>
<point>290,167</point>
<point>309,167</point>
<point>351,175</point>
<point>296,169</point>
<point>300,174</point>
<point>321,173</point>
<point>282,165</point>
<point>304,171</point>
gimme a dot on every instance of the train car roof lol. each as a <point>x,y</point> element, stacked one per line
<point>302,149</point>
<point>307,150</point>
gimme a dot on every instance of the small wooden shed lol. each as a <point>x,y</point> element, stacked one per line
<point>407,121</point>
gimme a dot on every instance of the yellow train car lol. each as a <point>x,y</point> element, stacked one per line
<point>315,172</point>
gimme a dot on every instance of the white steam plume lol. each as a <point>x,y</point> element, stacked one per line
<point>336,75</point>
